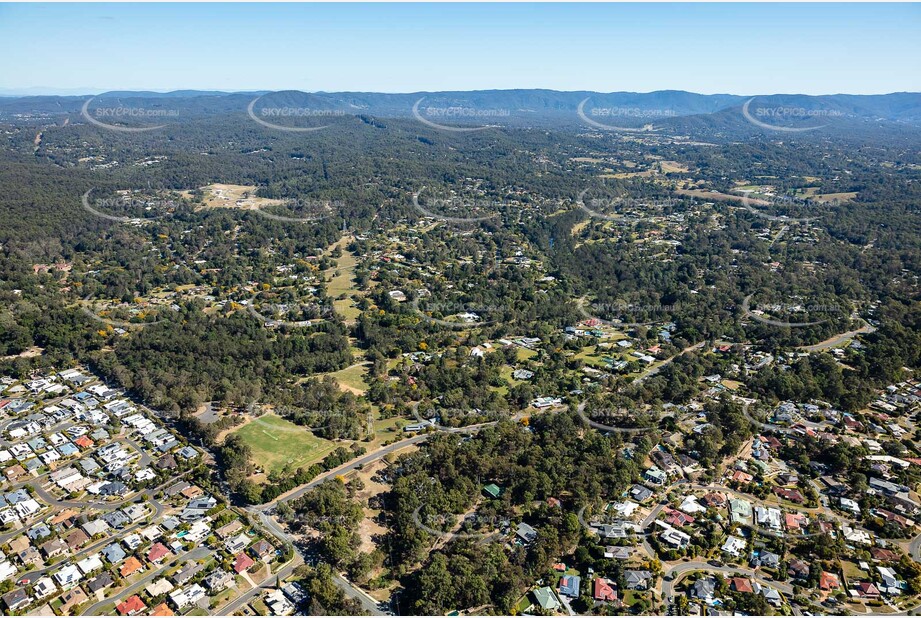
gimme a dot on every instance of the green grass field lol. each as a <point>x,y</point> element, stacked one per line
<point>352,378</point>
<point>277,443</point>
<point>343,283</point>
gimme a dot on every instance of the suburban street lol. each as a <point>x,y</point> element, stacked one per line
<point>195,554</point>
<point>675,572</point>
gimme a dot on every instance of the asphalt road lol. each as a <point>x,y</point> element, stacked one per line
<point>266,584</point>
<point>678,570</point>
<point>32,576</point>
<point>195,554</point>
<point>344,468</point>
<point>348,588</point>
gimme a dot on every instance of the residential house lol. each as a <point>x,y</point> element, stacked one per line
<point>242,562</point>
<point>131,566</point>
<point>71,600</point>
<point>159,587</point>
<point>546,599</point>
<point>604,591</point>
<point>131,606</point>
<point>218,580</point>
<point>44,587</point>
<point>68,576</point>
<point>16,599</point>
<point>798,569</point>
<point>262,549</point>
<point>569,586</point>
<point>829,581</point>
<point>158,552</point>
<point>100,582</point>
<point>741,584</point>
<point>637,580</point>
<point>704,589</point>
<point>526,533</point>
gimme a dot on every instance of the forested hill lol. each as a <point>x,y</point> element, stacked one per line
<point>532,107</point>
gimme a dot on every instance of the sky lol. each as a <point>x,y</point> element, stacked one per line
<point>705,48</point>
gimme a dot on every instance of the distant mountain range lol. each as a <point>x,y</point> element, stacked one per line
<point>508,107</point>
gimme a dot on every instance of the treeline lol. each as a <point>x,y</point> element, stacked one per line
<point>237,465</point>
<point>178,364</point>
<point>555,457</point>
<point>319,404</point>
<point>850,385</point>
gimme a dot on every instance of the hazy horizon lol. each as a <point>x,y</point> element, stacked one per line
<point>79,92</point>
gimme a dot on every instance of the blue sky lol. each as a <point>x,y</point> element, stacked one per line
<point>708,48</point>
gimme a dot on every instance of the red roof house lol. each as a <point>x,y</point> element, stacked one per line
<point>741,584</point>
<point>131,606</point>
<point>829,581</point>
<point>242,562</point>
<point>603,590</point>
<point>157,553</point>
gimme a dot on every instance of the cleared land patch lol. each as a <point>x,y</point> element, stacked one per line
<point>277,443</point>
<point>232,196</point>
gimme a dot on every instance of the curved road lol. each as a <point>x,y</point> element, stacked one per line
<point>675,573</point>
<point>195,554</point>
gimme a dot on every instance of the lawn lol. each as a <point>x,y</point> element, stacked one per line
<point>852,571</point>
<point>342,282</point>
<point>277,443</point>
<point>524,354</point>
<point>352,378</point>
